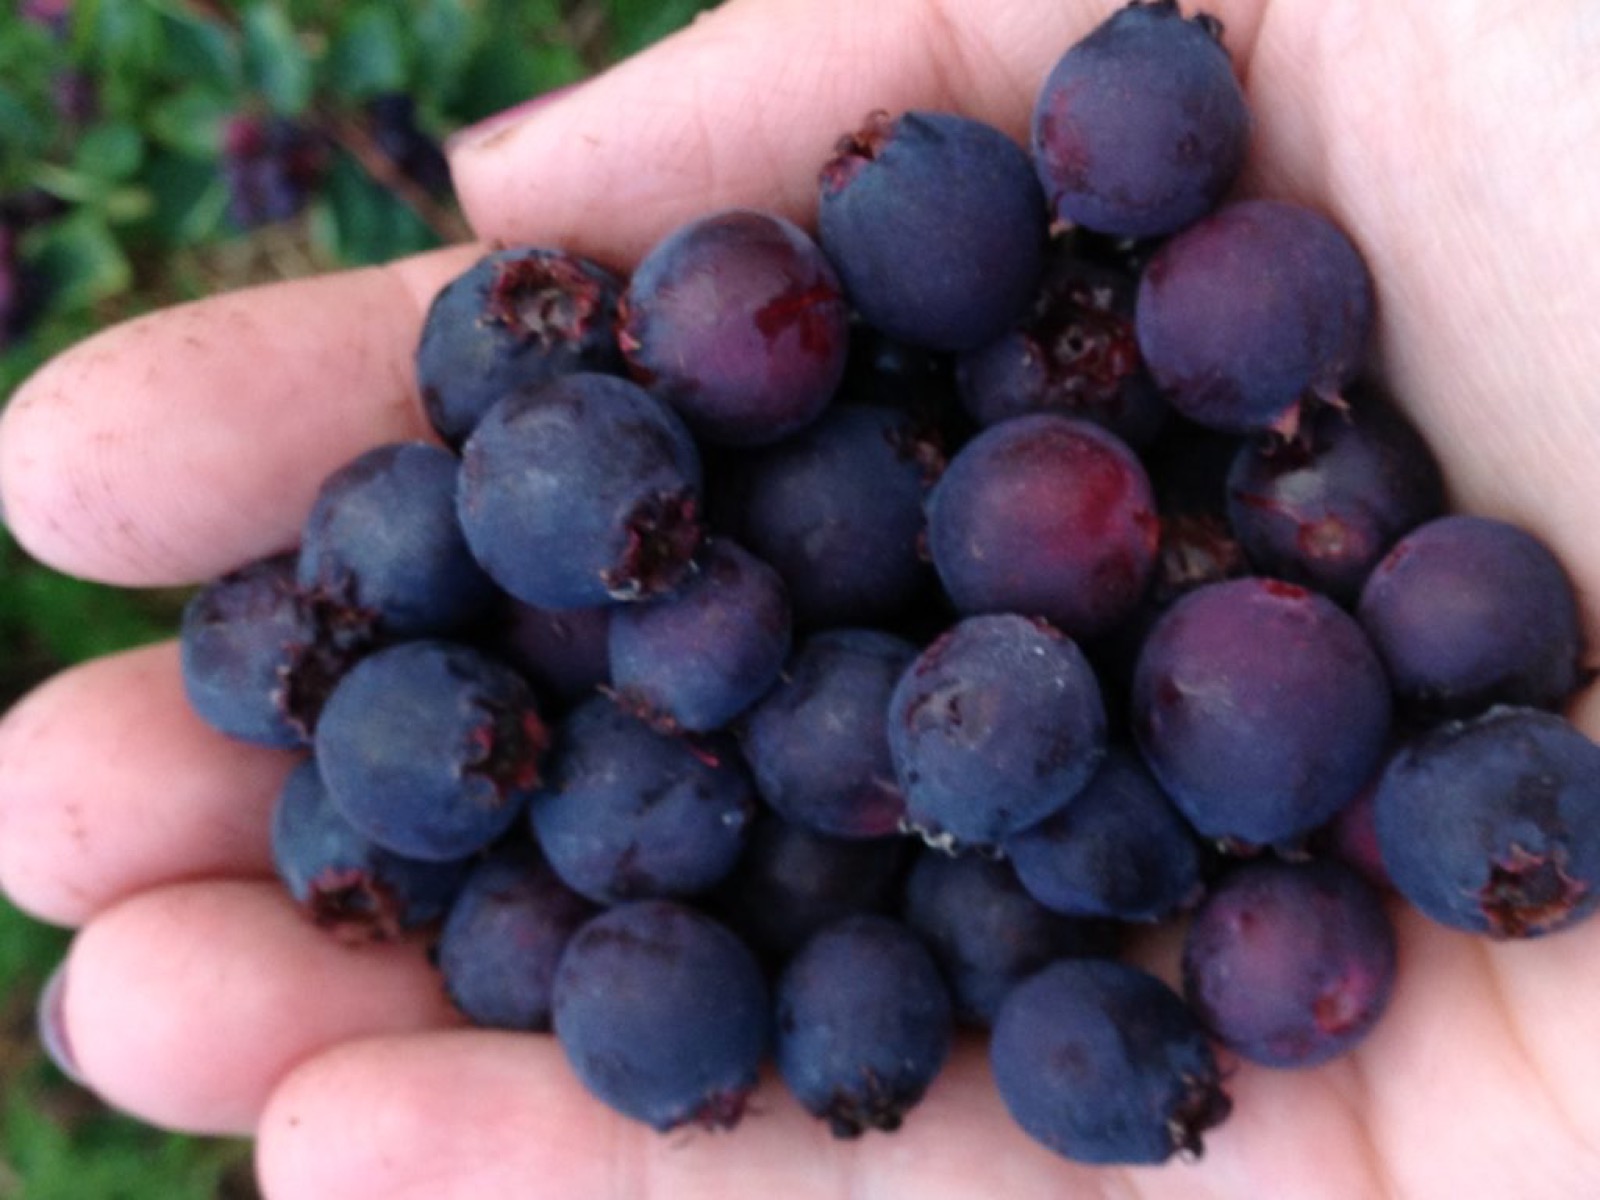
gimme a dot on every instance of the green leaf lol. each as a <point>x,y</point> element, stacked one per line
<point>200,51</point>
<point>504,73</point>
<point>369,56</point>
<point>275,63</point>
<point>111,150</point>
<point>121,39</point>
<point>189,199</point>
<point>635,24</point>
<point>83,261</point>
<point>367,223</point>
<point>443,32</point>
<point>190,121</point>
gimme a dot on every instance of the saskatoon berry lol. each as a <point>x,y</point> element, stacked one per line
<point>499,948</point>
<point>995,726</point>
<point>1105,1064</point>
<point>863,1024</point>
<point>936,225</point>
<point>431,749</point>
<point>1469,612</point>
<point>1045,516</point>
<point>1261,707</point>
<point>663,1014</point>
<point>1290,964</point>
<point>627,813</point>
<point>1141,127</point>
<point>516,318</point>
<point>737,320</point>
<point>581,491</point>
<point>1251,309</point>
<point>1493,825</point>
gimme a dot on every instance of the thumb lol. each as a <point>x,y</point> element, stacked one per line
<point>745,105</point>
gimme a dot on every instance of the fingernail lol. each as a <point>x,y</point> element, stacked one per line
<point>508,118</point>
<point>52,1025</point>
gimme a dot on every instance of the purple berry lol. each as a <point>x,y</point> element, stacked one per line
<point>1105,1064</point>
<point>271,166</point>
<point>259,656</point>
<point>837,511</point>
<point>1256,307</point>
<point>1261,707</point>
<point>995,726</point>
<point>986,932</point>
<point>1469,612</point>
<point>737,320</point>
<point>628,813</point>
<point>1048,517</point>
<point>500,946</point>
<point>663,1014</point>
<point>564,654</point>
<point>1493,825</point>
<point>1290,964</point>
<point>1074,353</point>
<point>936,225</point>
<point>581,491</point>
<point>698,658</point>
<point>1119,849</point>
<point>1141,127</point>
<point>863,1024</point>
<point>1324,506</point>
<point>342,880</point>
<point>392,119</point>
<point>818,743</point>
<point>382,541</point>
<point>516,318</point>
<point>431,749</point>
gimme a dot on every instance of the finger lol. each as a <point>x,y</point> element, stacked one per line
<point>178,445</point>
<point>186,1005</point>
<point>743,107</point>
<point>109,784</point>
<point>497,1116</point>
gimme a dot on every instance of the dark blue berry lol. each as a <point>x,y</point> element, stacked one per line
<point>663,1014</point>
<point>342,880</point>
<point>1246,313</point>
<point>271,166</point>
<point>1105,1064</point>
<point>936,225</point>
<point>1323,507</point>
<point>1493,825</point>
<point>986,932</point>
<point>837,511</point>
<point>1119,849</point>
<point>382,539</point>
<point>1290,964</point>
<point>737,320</point>
<point>1074,353</point>
<point>259,656</point>
<point>500,946</point>
<point>431,749</point>
<point>863,1024</point>
<point>995,726</point>
<point>581,491</point>
<point>564,653</point>
<point>818,743</point>
<point>1048,517</point>
<point>516,318</point>
<point>627,813</point>
<point>1261,707</point>
<point>791,881</point>
<point>696,659</point>
<point>1141,127</point>
<point>1469,612</point>
<point>392,119</point>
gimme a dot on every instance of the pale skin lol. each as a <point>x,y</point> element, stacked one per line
<point>1457,145</point>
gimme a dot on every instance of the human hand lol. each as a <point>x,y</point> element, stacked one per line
<point>1451,141</point>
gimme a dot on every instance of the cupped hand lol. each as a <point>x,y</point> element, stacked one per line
<point>1454,142</point>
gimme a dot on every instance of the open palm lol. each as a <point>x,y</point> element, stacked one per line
<point>1459,145</point>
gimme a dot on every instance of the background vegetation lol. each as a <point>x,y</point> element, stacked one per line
<point>156,150</point>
